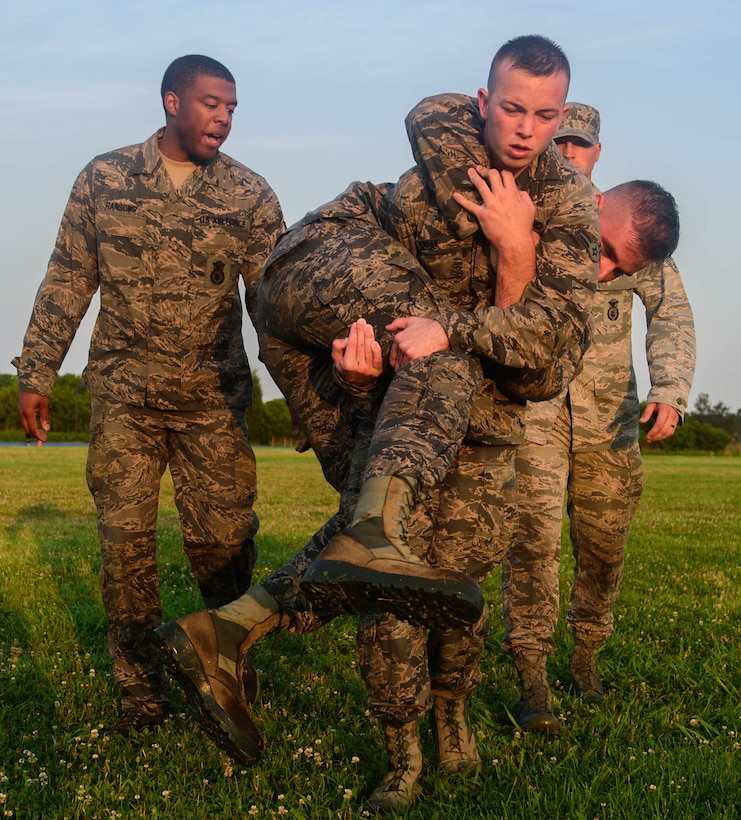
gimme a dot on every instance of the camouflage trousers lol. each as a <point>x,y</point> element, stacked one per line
<point>465,525</point>
<point>213,472</point>
<point>335,272</point>
<point>284,584</point>
<point>602,492</point>
<point>331,274</point>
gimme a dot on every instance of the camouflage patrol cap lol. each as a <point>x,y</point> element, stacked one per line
<point>582,122</point>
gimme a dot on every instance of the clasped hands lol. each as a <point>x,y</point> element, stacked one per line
<point>506,216</point>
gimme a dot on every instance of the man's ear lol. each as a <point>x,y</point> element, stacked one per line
<point>565,111</point>
<point>171,102</point>
<point>600,201</point>
<point>483,97</point>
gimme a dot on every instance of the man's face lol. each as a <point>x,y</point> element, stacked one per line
<point>200,119</point>
<point>521,113</point>
<point>579,153</point>
<point>617,239</point>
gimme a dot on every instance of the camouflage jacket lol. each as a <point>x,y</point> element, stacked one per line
<point>603,395</point>
<point>553,320</point>
<point>169,331</point>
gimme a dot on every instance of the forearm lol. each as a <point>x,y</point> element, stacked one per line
<point>670,335</point>
<point>515,269</point>
<point>64,296</point>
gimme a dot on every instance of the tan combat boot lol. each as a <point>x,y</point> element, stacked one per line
<point>583,667</point>
<point>534,712</point>
<point>400,785</point>
<point>208,655</point>
<point>455,741</point>
<point>369,566</point>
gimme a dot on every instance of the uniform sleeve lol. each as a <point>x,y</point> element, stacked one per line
<point>266,226</point>
<point>446,137</point>
<point>670,334</point>
<point>553,320</point>
<point>65,293</point>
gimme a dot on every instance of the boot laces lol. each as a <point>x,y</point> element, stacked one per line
<point>453,724</point>
<point>401,763</point>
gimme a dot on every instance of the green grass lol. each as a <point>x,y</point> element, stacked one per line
<point>665,743</point>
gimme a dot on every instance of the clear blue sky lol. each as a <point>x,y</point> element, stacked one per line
<point>323,89</point>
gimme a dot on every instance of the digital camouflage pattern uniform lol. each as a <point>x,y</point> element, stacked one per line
<point>585,444</point>
<point>551,325</point>
<point>464,523</point>
<point>167,372</point>
<point>333,267</point>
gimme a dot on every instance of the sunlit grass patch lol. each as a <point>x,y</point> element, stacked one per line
<point>663,744</point>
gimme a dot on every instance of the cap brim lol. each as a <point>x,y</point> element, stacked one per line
<point>575,132</point>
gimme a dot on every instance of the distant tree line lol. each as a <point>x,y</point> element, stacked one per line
<point>708,427</point>
<point>269,422</point>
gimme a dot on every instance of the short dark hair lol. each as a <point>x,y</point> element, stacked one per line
<point>534,54</point>
<point>183,72</point>
<point>655,218</point>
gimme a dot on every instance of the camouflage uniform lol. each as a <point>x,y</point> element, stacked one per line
<point>549,325</point>
<point>466,524</point>
<point>167,371</point>
<point>333,267</point>
<point>585,444</point>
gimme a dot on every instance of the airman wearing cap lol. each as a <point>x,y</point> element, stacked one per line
<point>578,137</point>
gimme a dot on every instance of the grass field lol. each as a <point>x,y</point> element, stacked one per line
<point>665,743</point>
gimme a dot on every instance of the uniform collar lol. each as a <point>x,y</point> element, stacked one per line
<point>546,166</point>
<point>149,160</point>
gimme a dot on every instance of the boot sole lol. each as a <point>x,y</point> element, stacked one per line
<point>185,666</point>
<point>338,586</point>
